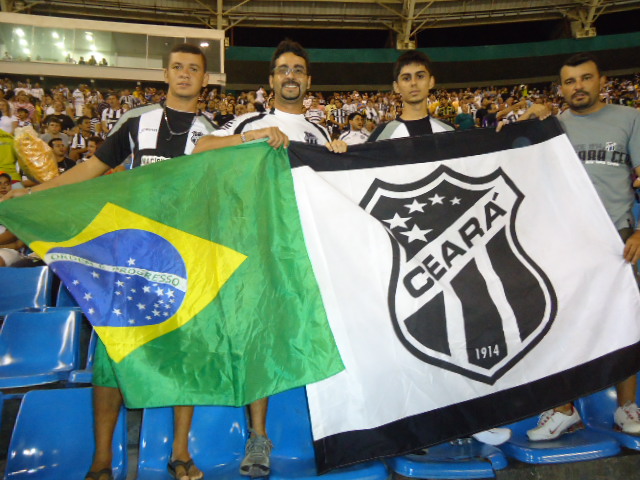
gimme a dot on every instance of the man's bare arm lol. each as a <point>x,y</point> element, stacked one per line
<point>211,142</point>
<point>92,168</point>
<point>274,134</point>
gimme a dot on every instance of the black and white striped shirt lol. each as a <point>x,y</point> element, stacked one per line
<point>143,133</point>
<point>294,126</point>
<point>111,117</point>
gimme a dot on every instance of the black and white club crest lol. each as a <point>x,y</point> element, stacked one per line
<point>463,293</point>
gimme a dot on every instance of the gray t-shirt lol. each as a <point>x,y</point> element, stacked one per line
<point>608,144</point>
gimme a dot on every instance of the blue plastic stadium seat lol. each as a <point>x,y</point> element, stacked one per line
<point>39,347</point>
<point>216,442</point>
<point>597,413</point>
<point>24,288</point>
<point>53,437</point>
<point>64,298</point>
<point>86,374</point>
<point>293,457</point>
<point>468,459</point>
<point>584,444</point>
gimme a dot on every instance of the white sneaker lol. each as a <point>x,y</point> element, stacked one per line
<point>628,419</point>
<point>552,424</point>
<point>493,436</point>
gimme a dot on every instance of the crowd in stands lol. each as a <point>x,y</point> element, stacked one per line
<point>24,103</point>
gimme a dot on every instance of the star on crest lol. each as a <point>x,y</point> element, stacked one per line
<point>416,206</point>
<point>397,221</point>
<point>416,234</point>
<point>436,199</point>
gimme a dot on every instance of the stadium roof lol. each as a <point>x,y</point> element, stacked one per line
<point>405,17</point>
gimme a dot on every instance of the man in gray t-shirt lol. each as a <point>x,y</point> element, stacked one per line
<point>607,141</point>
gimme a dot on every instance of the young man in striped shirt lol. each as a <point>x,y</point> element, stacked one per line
<point>412,80</point>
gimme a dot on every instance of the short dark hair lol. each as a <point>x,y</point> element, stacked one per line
<point>289,46</point>
<point>54,139</point>
<point>353,115</point>
<point>188,48</point>
<point>54,120</point>
<point>5,174</point>
<point>579,59</point>
<point>82,119</point>
<point>410,57</point>
<point>95,139</point>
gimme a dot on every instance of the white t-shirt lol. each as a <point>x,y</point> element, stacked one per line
<point>294,126</point>
<point>354,137</point>
<point>6,123</point>
<point>78,102</point>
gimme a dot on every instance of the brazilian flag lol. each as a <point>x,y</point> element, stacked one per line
<point>194,274</point>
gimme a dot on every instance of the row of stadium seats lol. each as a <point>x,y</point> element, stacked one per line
<point>39,342</point>
<point>25,288</point>
<point>53,439</point>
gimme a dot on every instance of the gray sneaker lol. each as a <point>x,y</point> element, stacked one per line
<point>257,462</point>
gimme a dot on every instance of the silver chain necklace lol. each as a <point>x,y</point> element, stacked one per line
<point>171,132</point>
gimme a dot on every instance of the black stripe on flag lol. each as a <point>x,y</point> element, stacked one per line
<point>431,428</point>
<point>435,147</point>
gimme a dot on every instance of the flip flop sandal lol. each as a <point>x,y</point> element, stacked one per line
<point>173,466</point>
<point>99,474</point>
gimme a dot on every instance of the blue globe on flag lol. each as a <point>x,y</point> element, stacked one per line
<point>125,278</point>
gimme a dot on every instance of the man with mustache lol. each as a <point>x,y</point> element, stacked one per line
<point>283,122</point>
<point>607,141</point>
<point>289,80</point>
